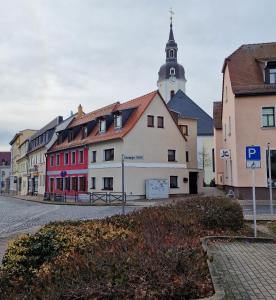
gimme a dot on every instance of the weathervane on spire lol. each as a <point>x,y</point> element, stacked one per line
<point>172,13</point>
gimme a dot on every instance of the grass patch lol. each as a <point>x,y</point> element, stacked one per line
<point>153,253</point>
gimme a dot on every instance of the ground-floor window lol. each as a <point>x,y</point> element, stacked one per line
<point>93,183</point>
<point>82,181</point>
<point>173,182</point>
<point>74,183</point>
<point>108,183</point>
<point>59,184</point>
<point>273,166</point>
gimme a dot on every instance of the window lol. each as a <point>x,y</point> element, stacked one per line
<point>74,183</point>
<point>94,156</point>
<point>70,135</point>
<point>67,183</point>
<point>102,125</point>
<point>57,159</point>
<point>173,182</point>
<point>187,156</point>
<point>93,183</point>
<point>84,132</point>
<point>171,53</point>
<point>59,139</point>
<point>273,166</point>
<point>51,160</point>
<point>184,129</point>
<point>150,121</point>
<point>81,157</point>
<point>59,184</point>
<point>160,122</point>
<point>172,71</point>
<point>66,158</point>
<point>108,154</point>
<point>172,93</point>
<point>73,157</point>
<point>108,183</point>
<point>82,181</point>
<point>272,75</point>
<point>171,155</point>
<point>268,117</point>
<point>118,121</point>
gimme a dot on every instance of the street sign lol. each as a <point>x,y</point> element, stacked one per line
<point>253,153</point>
<point>63,173</point>
<point>225,153</point>
<point>133,157</point>
<point>253,161</point>
<point>253,157</point>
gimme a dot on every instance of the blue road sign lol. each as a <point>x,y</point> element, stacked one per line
<point>253,153</point>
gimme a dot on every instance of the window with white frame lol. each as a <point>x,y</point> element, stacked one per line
<point>93,183</point>
<point>57,159</point>
<point>73,157</point>
<point>171,53</point>
<point>118,121</point>
<point>81,156</point>
<point>268,117</point>
<point>272,75</point>
<point>102,124</point>
<point>108,183</point>
<point>172,71</point>
<point>66,158</point>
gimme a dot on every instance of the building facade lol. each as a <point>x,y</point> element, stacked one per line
<point>37,156</point>
<point>15,143</point>
<point>143,130</point>
<point>245,117</point>
<point>5,168</point>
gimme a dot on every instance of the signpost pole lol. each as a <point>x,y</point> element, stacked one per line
<point>123,184</point>
<point>254,199</point>
<point>270,179</point>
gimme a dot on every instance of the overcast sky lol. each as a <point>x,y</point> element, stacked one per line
<point>55,54</point>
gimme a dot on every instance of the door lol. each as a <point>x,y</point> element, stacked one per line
<point>51,185</point>
<point>193,182</point>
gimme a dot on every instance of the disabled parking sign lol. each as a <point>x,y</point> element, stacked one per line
<point>253,156</point>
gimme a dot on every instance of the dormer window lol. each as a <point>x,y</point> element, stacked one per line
<point>172,71</point>
<point>84,132</point>
<point>271,73</point>
<point>59,141</point>
<point>102,124</point>
<point>70,135</point>
<point>117,121</point>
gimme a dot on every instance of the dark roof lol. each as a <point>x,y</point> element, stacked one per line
<point>186,107</point>
<point>246,68</point>
<point>217,114</point>
<point>5,158</point>
<point>50,128</point>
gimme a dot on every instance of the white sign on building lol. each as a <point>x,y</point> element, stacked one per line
<point>225,153</point>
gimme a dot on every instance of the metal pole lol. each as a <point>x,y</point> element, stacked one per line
<point>254,199</point>
<point>123,184</point>
<point>270,179</point>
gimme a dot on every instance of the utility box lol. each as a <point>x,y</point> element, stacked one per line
<point>157,189</point>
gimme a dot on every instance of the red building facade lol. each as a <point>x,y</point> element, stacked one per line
<point>67,171</point>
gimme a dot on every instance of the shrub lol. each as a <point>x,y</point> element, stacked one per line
<point>152,253</point>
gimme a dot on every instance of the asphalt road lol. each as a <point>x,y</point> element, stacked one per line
<point>23,216</point>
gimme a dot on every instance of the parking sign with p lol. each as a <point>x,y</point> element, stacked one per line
<point>253,156</point>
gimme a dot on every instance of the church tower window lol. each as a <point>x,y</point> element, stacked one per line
<point>171,53</point>
<point>172,93</point>
<point>172,71</point>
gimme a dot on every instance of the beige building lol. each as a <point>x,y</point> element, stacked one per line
<point>22,164</point>
<point>245,117</point>
<point>15,143</point>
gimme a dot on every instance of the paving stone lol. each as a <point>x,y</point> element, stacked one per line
<point>245,270</point>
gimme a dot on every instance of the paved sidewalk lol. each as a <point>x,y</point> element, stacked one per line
<point>245,270</point>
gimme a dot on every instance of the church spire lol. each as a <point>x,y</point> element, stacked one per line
<point>171,46</point>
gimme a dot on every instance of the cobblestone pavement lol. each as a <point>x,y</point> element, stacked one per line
<point>245,270</point>
<point>18,216</point>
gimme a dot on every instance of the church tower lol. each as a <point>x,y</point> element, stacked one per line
<point>171,76</point>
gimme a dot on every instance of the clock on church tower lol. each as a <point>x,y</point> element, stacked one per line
<point>171,76</point>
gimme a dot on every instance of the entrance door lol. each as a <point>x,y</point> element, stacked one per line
<point>51,185</point>
<point>193,182</point>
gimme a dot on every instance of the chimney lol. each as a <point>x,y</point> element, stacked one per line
<point>80,111</point>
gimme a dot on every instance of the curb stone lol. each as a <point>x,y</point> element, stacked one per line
<point>219,290</point>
